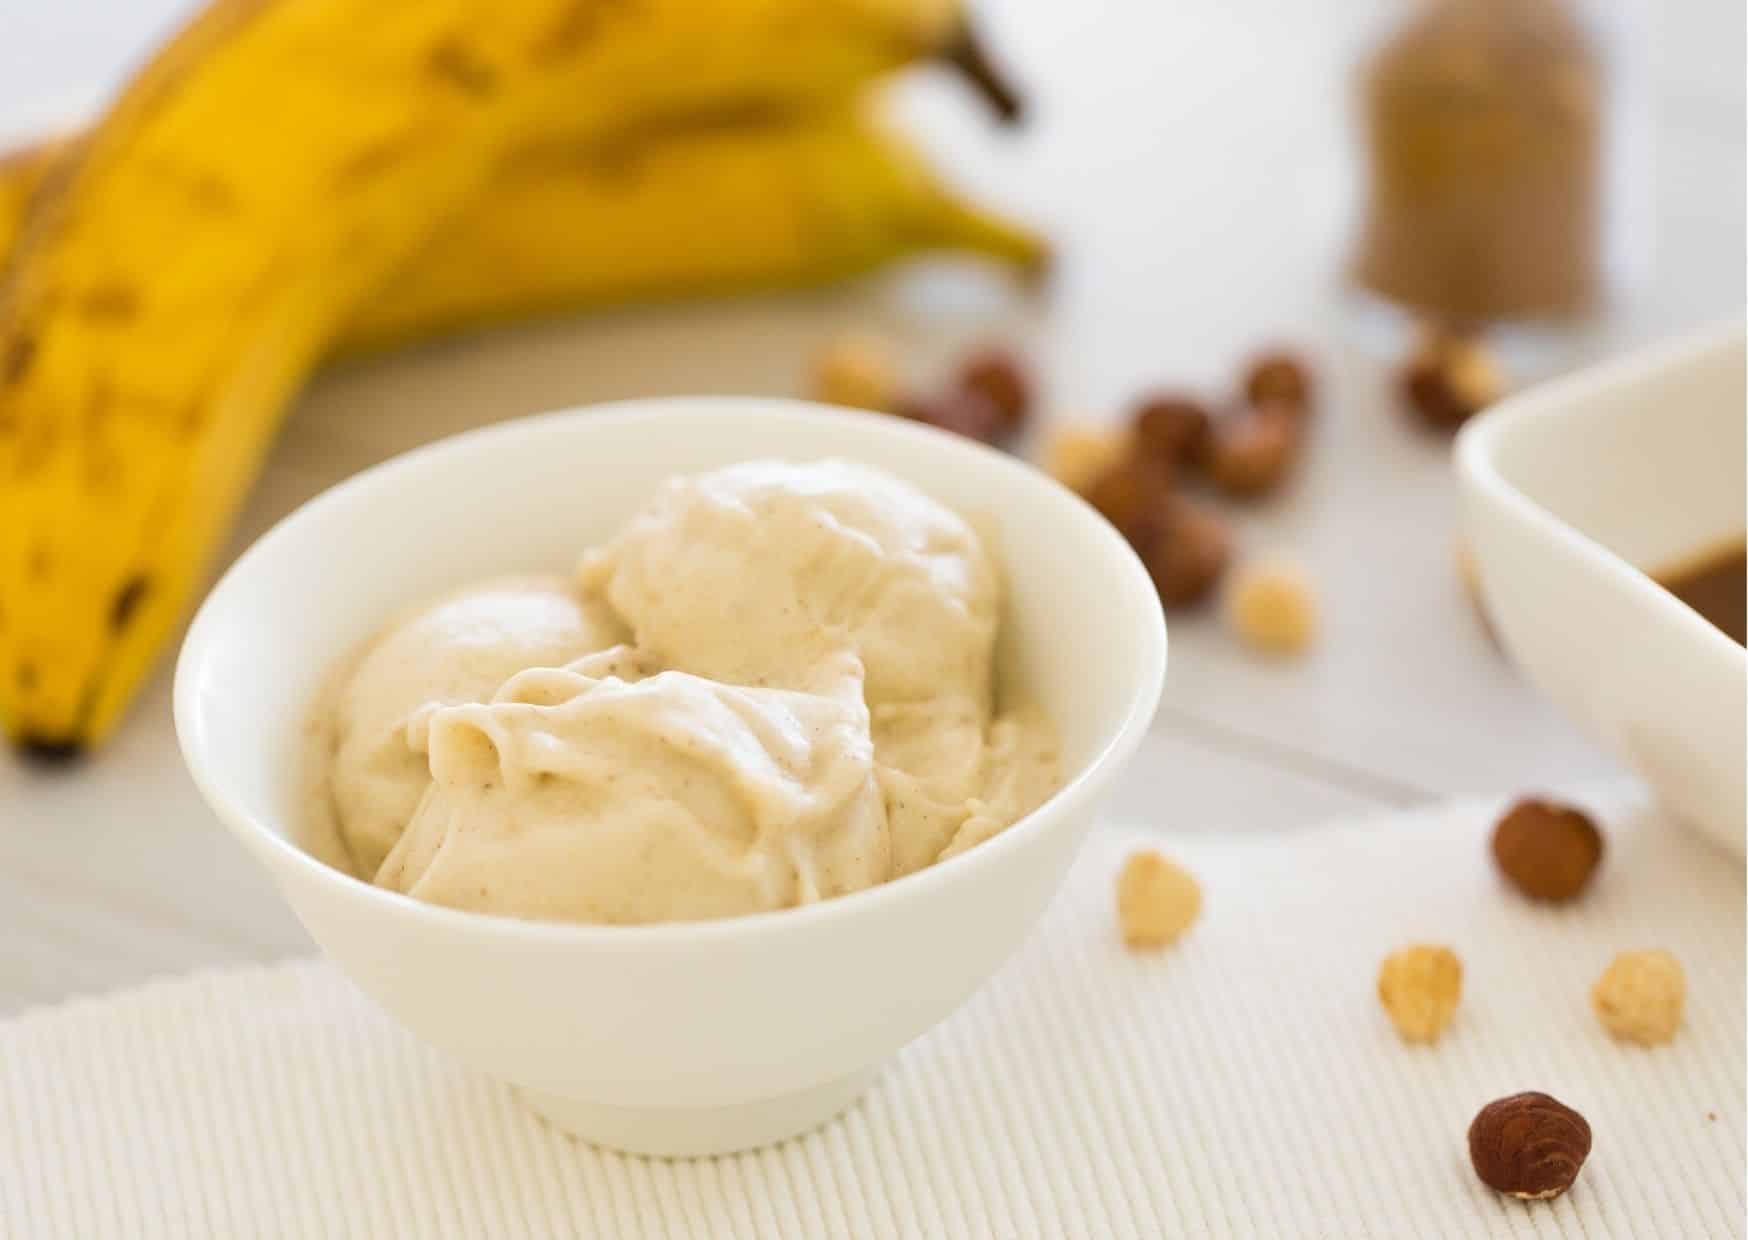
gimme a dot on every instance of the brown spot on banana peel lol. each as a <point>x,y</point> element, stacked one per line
<point>20,352</point>
<point>574,29</point>
<point>127,601</point>
<point>453,61</point>
<point>372,160</point>
<point>110,305</point>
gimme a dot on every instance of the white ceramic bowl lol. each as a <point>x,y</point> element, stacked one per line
<point>684,1038</point>
<point>1573,490</point>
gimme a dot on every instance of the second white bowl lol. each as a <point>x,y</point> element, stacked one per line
<point>687,1038</point>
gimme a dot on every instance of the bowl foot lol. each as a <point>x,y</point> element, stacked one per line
<point>690,1132</point>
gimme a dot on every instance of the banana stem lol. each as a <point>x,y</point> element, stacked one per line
<point>967,54</point>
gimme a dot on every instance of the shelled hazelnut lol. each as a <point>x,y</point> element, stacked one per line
<point>1187,553</point>
<point>1000,377</point>
<point>1157,900</point>
<point>1640,996</point>
<point>1272,607</point>
<point>963,412</point>
<point>858,370</point>
<point>1449,378</point>
<point>1279,378</point>
<point>1528,1146</point>
<point>1547,851</point>
<point>1420,987</point>
<point>1253,449</point>
<point>1173,429</point>
<point>1076,454</point>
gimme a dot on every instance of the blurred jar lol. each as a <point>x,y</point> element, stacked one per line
<point>1496,156</point>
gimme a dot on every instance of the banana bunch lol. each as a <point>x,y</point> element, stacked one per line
<point>288,179</point>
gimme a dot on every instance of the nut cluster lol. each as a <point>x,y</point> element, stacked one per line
<point>1528,1145</point>
<point>1137,476</point>
<point>988,399</point>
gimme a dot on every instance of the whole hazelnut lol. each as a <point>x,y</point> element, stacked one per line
<point>1076,454</point>
<point>1001,379</point>
<point>1279,377</point>
<point>1528,1146</point>
<point>1547,851</point>
<point>1173,429</point>
<point>1135,496</point>
<point>1157,900</point>
<point>1420,987</point>
<point>1253,450</point>
<point>1186,554</point>
<point>1639,997</point>
<point>1272,607</point>
<point>963,412</point>
<point>858,370</point>
<point>1449,378</point>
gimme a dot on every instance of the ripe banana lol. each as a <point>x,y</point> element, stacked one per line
<point>179,274</point>
<point>570,226</point>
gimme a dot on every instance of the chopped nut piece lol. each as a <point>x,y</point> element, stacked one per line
<point>1528,1146</point>
<point>1173,429</point>
<point>1157,900</point>
<point>1252,451</point>
<point>1186,553</point>
<point>1547,851</point>
<point>859,371</point>
<point>1272,608</point>
<point>1076,454</point>
<point>1420,987</point>
<point>1449,378</point>
<point>1640,995</point>
<point>998,376</point>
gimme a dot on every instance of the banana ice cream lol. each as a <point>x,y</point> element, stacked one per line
<point>774,686</point>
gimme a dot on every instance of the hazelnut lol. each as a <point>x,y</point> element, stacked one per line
<point>1528,1146</point>
<point>1186,553</point>
<point>1253,450</point>
<point>1279,378</point>
<point>964,413</point>
<point>860,371</point>
<point>998,376</point>
<point>1077,454</point>
<point>1157,900</point>
<point>1420,987</point>
<point>1272,608</point>
<point>1449,378</point>
<point>1547,851</point>
<point>1639,997</point>
<point>1173,429</point>
<point>1133,495</point>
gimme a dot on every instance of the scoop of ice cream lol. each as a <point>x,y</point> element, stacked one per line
<point>774,686</point>
<point>757,573</point>
<point>581,795</point>
<point>458,650</point>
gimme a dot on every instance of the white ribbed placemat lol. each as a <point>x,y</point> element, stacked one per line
<point>1243,1083</point>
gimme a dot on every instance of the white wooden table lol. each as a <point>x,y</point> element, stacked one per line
<point>1193,161</point>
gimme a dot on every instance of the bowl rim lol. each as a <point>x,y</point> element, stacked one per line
<point>1131,581</point>
<point>1569,398</point>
